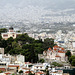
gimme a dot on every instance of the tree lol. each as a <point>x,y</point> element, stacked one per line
<point>42,60</point>
<point>72,60</point>
<point>29,52</point>
<point>1,71</point>
<point>0,37</point>
<point>20,71</point>
<point>26,46</point>
<point>7,49</point>
<point>10,40</point>
<point>48,43</point>
<point>15,45</point>
<point>3,43</point>
<point>3,30</point>
<point>15,51</point>
<point>68,53</point>
<point>57,64</point>
<point>18,31</point>
<point>13,74</point>
<point>38,48</point>
<point>31,74</point>
<point>9,44</point>
<point>47,71</point>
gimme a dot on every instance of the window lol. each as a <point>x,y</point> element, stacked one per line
<point>5,35</point>
<point>13,35</point>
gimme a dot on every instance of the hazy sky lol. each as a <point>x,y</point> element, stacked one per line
<point>44,3</point>
<point>30,9</point>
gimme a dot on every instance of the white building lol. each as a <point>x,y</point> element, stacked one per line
<point>21,58</point>
<point>38,67</point>
<point>10,33</point>
<point>56,54</point>
<point>2,51</point>
<point>5,59</point>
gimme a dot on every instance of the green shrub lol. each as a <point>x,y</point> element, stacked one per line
<point>57,64</point>
<point>41,60</point>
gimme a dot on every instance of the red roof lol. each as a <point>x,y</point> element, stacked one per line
<point>26,68</point>
<point>49,48</point>
<point>62,48</point>
<point>2,69</point>
<point>28,71</point>
<point>61,52</point>
<point>13,65</point>
<point>7,73</point>
<point>57,56</point>
<point>40,72</point>
<point>56,46</point>
<point>55,49</point>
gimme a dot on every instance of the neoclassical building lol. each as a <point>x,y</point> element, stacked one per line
<point>10,33</point>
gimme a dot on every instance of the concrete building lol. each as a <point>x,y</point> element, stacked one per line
<point>4,59</point>
<point>21,58</point>
<point>38,67</point>
<point>1,50</point>
<point>10,33</point>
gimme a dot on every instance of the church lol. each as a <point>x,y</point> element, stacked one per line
<point>57,53</point>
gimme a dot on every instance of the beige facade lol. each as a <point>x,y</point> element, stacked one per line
<point>57,53</point>
<point>1,50</point>
<point>10,33</point>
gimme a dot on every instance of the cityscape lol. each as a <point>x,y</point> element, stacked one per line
<point>37,37</point>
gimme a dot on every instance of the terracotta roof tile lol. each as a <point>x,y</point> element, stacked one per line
<point>55,49</point>
<point>61,51</point>
<point>7,73</point>
<point>40,72</point>
<point>57,56</point>
<point>62,48</point>
<point>2,69</point>
<point>56,46</point>
<point>28,72</point>
<point>49,48</point>
<point>13,65</point>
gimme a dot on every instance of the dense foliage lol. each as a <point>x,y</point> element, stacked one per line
<point>26,46</point>
<point>56,64</point>
<point>2,30</point>
<point>41,60</point>
<point>68,53</point>
<point>72,60</point>
<point>20,71</point>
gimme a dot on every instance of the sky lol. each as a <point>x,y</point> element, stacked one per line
<point>57,4</point>
<point>31,9</point>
